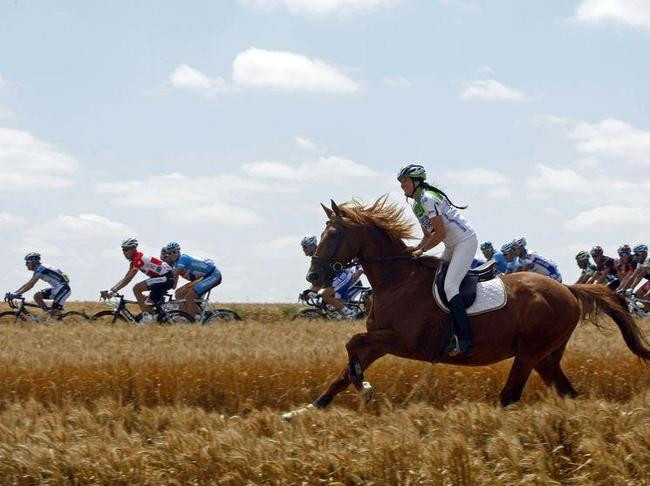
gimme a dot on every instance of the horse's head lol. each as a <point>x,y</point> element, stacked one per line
<point>339,244</point>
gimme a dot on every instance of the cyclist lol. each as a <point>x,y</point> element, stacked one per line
<point>532,262</point>
<point>59,281</point>
<point>607,273</point>
<point>338,294</point>
<point>441,222</point>
<point>625,264</point>
<point>491,254</point>
<point>512,262</point>
<point>588,268</point>
<point>642,272</point>
<point>160,279</point>
<point>202,276</point>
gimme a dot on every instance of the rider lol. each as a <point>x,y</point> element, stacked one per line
<point>59,281</point>
<point>625,265</point>
<point>512,262</point>
<point>442,223</point>
<point>491,254</point>
<point>160,278</point>
<point>338,294</point>
<point>607,273</point>
<point>532,262</point>
<point>203,275</point>
<point>588,268</point>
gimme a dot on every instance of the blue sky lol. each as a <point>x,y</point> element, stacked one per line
<point>224,124</point>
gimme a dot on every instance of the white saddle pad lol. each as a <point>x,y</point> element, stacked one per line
<point>490,295</point>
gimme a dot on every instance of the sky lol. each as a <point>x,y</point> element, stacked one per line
<point>223,125</point>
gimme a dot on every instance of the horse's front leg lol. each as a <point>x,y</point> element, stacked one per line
<point>361,354</point>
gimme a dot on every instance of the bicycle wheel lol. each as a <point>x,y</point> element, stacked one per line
<point>309,314</point>
<point>8,317</point>
<point>73,316</point>
<point>221,315</point>
<point>177,317</point>
<point>106,317</point>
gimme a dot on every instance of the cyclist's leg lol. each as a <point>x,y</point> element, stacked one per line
<point>202,287</point>
<point>41,295</point>
<point>329,297</point>
<point>59,298</point>
<point>138,290</point>
<point>182,294</point>
<point>158,286</point>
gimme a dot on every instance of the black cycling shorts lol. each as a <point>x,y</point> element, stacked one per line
<point>159,285</point>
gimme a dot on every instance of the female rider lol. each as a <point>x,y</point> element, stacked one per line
<point>442,223</point>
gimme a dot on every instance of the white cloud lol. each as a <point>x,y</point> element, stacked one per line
<point>398,82</point>
<point>287,71</point>
<point>11,221</point>
<point>305,143</point>
<point>322,7</point>
<point>187,78</point>
<point>491,90</point>
<point>323,168</point>
<point>612,138</point>
<point>187,199</point>
<point>635,13</point>
<point>81,226</point>
<point>3,82</point>
<point>27,162</point>
<point>611,218</point>
<point>286,247</point>
<point>478,177</point>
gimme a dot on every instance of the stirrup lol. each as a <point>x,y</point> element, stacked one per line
<point>453,348</point>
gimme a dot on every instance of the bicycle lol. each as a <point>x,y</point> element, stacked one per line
<point>163,313</point>
<point>360,301</point>
<point>638,307</point>
<point>21,312</point>
<point>208,314</point>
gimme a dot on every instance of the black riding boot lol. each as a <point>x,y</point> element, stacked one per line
<point>461,341</point>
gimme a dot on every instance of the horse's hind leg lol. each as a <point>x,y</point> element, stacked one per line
<point>551,372</point>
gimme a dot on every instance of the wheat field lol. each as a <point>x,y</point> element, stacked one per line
<point>101,404</point>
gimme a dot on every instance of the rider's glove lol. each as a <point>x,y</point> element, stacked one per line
<point>106,294</point>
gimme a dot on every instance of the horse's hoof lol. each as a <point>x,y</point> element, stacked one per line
<point>289,416</point>
<point>366,391</point>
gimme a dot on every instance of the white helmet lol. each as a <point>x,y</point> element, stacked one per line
<point>130,243</point>
<point>309,240</point>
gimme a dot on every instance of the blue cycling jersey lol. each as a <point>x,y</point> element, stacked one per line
<point>194,267</point>
<point>513,266</point>
<point>502,265</point>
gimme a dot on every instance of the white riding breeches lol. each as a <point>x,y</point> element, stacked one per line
<point>460,258</point>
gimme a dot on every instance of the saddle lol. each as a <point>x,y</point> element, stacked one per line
<point>467,289</point>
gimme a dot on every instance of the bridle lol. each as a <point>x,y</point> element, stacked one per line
<point>331,266</point>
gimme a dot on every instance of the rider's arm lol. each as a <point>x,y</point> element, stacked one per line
<point>637,276</point>
<point>27,286</point>
<point>433,239</point>
<point>125,280</point>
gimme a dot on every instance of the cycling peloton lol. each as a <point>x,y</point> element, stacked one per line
<point>202,276</point>
<point>59,281</point>
<point>532,262</point>
<point>338,294</point>
<point>160,278</point>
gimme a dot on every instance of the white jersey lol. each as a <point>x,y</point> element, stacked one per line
<point>51,275</point>
<point>432,204</point>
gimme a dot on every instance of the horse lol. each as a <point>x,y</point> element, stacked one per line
<point>534,326</point>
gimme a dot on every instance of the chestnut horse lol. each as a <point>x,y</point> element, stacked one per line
<point>533,327</point>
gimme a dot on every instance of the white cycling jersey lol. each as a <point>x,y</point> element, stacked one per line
<point>541,265</point>
<point>432,204</point>
<point>51,275</point>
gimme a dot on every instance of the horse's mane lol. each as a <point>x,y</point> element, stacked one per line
<point>382,214</point>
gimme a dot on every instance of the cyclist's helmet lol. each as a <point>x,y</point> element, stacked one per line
<point>624,250</point>
<point>582,255</point>
<point>33,257</point>
<point>596,251</point>
<point>130,243</point>
<point>172,246</point>
<point>413,171</point>
<point>640,249</point>
<point>309,240</point>
<point>519,242</point>
<point>487,245</point>
<point>506,249</point>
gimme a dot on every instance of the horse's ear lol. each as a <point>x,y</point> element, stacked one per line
<point>328,211</point>
<point>335,208</point>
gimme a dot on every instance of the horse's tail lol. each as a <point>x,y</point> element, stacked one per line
<point>595,299</point>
